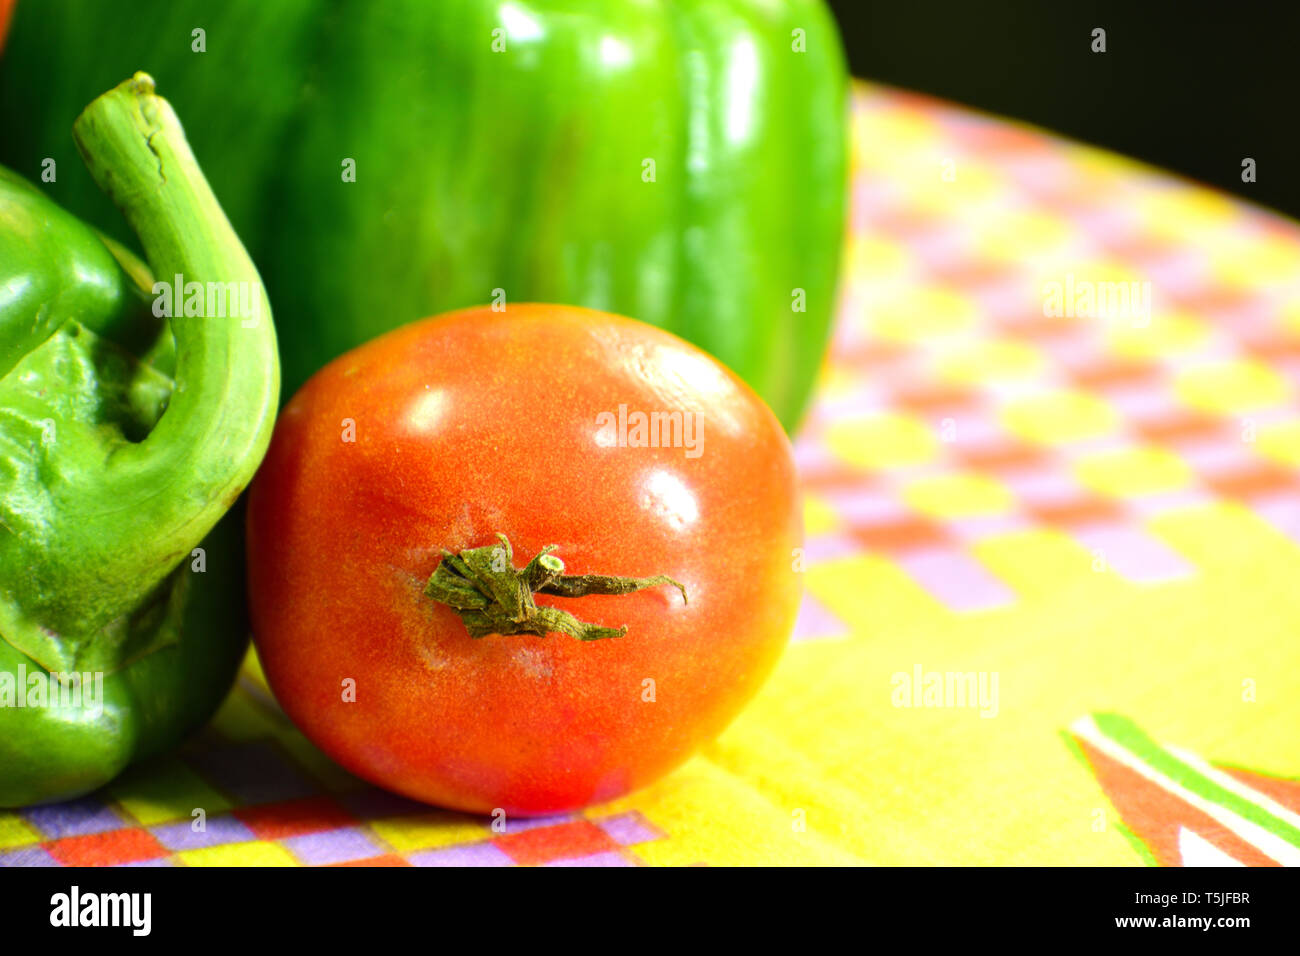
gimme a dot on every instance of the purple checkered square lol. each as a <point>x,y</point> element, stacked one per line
<point>218,831</point>
<point>73,818</point>
<point>1282,511</point>
<point>332,846</point>
<point>471,854</point>
<point>829,547</point>
<point>611,858</point>
<point>28,856</point>
<point>816,622</point>
<point>1134,554</point>
<point>160,861</point>
<point>956,579</point>
<point>627,829</point>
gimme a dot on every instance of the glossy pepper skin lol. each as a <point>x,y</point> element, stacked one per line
<point>124,439</point>
<point>498,145</point>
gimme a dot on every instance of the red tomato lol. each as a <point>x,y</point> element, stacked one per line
<point>481,422</point>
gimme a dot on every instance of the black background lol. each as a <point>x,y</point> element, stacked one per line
<point>1194,87</point>
<point>349,909</point>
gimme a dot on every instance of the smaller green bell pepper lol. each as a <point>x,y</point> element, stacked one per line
<point>130,421</point>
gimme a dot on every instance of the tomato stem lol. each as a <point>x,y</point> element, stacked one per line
<point>492,596</point>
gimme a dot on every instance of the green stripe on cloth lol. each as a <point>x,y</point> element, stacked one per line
<point>1128,735</point>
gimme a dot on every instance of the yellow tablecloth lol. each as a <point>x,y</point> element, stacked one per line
<point>1052,567</point>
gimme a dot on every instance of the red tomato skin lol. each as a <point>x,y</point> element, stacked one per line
<point>477,422</point>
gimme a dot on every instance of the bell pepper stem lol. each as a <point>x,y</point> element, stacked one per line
<point>172,487</point>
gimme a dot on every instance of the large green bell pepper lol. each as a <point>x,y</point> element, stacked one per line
<point>125,436</point>
<point>680,162</point>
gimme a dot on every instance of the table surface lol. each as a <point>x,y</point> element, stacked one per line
<point>1051,611</point>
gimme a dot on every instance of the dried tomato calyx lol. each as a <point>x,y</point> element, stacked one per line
<point>492,596</point>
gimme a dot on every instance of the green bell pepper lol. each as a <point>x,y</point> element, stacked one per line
<point>125,437</point>
<point>683,163</point>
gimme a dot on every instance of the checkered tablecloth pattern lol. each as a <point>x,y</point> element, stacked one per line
<point>1097,513</point>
